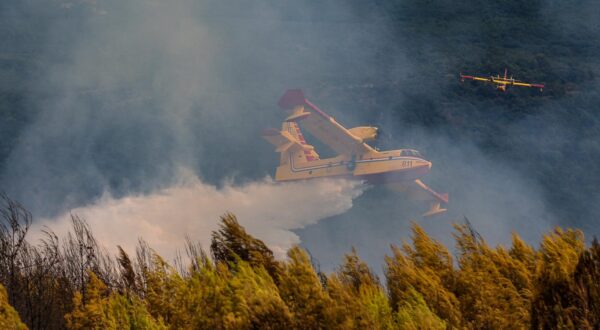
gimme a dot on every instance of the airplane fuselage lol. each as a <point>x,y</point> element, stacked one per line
<point>375,167</point>
<point>502,83</point>
<point>356,159</point>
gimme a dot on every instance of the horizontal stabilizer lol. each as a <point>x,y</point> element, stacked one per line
<point>284,141</point>
<point>434,209</point>
<point>297,116</point>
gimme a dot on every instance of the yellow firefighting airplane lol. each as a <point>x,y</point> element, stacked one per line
<point>355,158</point>
<point>502,82</point>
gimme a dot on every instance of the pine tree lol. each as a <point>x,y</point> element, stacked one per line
<point>9,318</point>
<point>131,313</point>
<point>430,254</point>
<point>587,285</point>
<point>485,285</point>
<point>163,289</point>
<point>207,300</point>
<point>92,312</point>
<point>303,293</point>
<point>523,252</point>
<point>359,300</point>
<point>231,243</point>
<point>427,269</point>
<point>521,266</point>
<point>256,296</point>
<point>128,275</point>
<point>555,298</point>
<point>238,296</point>
<point>103,310</point>
<point>414,314</point>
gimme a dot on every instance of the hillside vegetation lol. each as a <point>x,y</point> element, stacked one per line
<point>552,137</point>
<point>73,283</point>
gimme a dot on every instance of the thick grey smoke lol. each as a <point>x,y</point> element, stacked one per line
<point>138,89</point>
<point>141,89</point>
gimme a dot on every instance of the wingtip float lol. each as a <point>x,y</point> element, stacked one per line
<point>502,83</point>
<point>399,169</point>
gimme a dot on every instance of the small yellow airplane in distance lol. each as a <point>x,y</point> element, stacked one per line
<point>502,82</point>
<point>401,169</point>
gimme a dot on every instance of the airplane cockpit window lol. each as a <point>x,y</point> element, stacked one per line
<point>410,153</point>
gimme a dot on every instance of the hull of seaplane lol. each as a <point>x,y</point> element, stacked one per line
<point>374,170</point>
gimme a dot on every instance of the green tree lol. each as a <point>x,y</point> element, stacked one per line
<point>427,269</point>
<point>587,286</point>
<point>359,301</point>
<point>232,243</point>
<point>9,318</point>
<point>163,288</point>
<point>489,298</point>
<point>92,312</point>
<point>413,314</point>
<point>555,299</point>
<point>103,310</point>
<point>240,297</point>
<point>303,293</point>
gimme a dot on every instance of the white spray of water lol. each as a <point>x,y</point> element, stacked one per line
<point>268,210</point>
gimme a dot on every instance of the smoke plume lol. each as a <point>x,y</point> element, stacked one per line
<point>191,208</point>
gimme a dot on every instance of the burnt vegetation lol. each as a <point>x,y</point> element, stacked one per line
<point>71,282</point>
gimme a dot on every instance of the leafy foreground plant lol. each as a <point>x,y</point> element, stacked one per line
<point>74,284</point>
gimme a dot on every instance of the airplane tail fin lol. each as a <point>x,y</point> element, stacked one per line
<point>290,143</point>
<point>294,130</point>
<point>282,140</point>
<point>292,98</point>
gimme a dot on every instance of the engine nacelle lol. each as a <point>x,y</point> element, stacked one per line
<point>366,133</point>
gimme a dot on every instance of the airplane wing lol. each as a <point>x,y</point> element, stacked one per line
<point>417,190</point>
<point>518,83</point>
<point>284,141</point>
<point>435,199</point>
<point>463,77</point>
<point>321,125</point>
